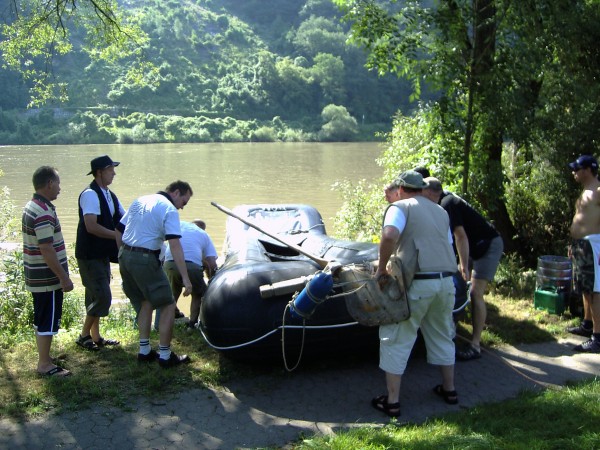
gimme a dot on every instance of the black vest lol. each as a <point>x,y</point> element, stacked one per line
<point>89,246</point>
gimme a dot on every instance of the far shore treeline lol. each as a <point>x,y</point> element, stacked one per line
<point>222,71</point>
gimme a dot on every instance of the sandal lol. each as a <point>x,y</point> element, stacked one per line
<point>468,353</point>
<point>104,342</point>
<point>450,397</point>
<point>57,372</point>
<point>87,343</point>
<point>391,409</point>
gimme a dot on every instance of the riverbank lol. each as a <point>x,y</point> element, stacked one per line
<point>275,411</point>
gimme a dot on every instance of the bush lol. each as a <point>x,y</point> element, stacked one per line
<point>264,134</point>
<point>8,219</point>
<point>231,135</point>
<point>16,303</point>
<point>338,125</point>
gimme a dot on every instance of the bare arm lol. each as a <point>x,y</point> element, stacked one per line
<point>210,265</point>
<point>177,253</point>
<point>118,238</point>
<point>387,246</point>
<point>93,227</point>
<point>50,258</point>
<point>462,247</point>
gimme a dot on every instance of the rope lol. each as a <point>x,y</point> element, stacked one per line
<point>266,335</point>
<point>343,294</point>
<point>524,375</point>
<point>285,364</point>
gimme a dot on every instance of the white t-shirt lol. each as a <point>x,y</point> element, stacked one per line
<point>196,244</point>
<point>149,221</point>
<point>90,203</point>
<point>395,217</point>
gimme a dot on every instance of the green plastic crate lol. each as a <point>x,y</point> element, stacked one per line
<point>553,302</point>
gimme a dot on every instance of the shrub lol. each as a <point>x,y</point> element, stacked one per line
<point>338,125</point>
<point>16,303</point>
<point>264,134</point>
<point>231,135</point>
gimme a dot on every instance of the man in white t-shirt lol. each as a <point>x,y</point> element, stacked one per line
<point>200,256</point>
<point>149,221</point>
<point>99,211</point>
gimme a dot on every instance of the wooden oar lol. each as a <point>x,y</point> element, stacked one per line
<point>321,262</point>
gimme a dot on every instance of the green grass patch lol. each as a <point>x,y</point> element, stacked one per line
<point>554,419</point>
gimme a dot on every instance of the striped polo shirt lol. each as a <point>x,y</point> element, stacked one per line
<point>40,225</point>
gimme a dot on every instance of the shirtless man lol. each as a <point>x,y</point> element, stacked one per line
<point>585,234</point>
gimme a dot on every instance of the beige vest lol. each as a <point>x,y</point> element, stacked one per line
<point>423,245</point>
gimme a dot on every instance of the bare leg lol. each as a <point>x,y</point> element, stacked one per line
<point>595,311</point>
<point>167,318</point>
<point>478,288</point>
<point>91,327</point>
<point>44,343</point>
<point>195,308</point>
<point>87,326</point>
<point>393,383</point>
<point>587,305</point>
<point>448,377</point>
<point>145,320</point>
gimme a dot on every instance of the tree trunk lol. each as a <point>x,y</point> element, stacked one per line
<point>492,196</point>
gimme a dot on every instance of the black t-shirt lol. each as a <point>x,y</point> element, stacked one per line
<point>479,231</point>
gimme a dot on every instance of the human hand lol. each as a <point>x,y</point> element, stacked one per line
<point>382,277</point>
<point>465,273</point>
<point>66,285</point>
<point>187,288</point>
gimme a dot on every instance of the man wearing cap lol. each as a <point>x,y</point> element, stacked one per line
<point>418,232</point>
<point>96,247</point>
<point>149,221</point>
<point>585,251</point>
<point>479,247</point>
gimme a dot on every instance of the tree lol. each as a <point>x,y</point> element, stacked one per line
<point>37,32</point>
<point>328,71</point>
<point>338,124</point>
<point>320,35</point>
<point>495,67</point>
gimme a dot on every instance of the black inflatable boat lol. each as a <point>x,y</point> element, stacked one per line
<point>245,311</point>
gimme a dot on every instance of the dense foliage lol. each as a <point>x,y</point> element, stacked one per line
<point>251,61</point>
<point>518,98</point>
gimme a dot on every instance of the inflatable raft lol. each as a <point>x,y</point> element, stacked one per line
<point>245,312</point>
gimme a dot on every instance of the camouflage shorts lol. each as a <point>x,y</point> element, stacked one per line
<point>583,266</point>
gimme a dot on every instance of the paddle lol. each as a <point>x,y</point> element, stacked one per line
<point>321,262</point>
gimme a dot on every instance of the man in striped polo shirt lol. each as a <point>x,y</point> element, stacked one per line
<point>45,265</point>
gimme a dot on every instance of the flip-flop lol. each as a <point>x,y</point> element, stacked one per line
<point>57,372</point>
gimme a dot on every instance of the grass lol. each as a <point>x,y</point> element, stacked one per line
<point>564,419</point>
<point>112,377</point>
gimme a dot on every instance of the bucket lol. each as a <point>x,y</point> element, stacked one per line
<point>554,273</point>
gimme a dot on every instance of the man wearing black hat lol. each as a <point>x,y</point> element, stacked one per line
<point>418,232</point>
<point>585,251</point>
<point>96,247</point>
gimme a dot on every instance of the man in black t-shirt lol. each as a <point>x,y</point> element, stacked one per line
<point>479,248</point>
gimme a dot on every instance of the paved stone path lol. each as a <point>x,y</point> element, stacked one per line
<point>273,411</point>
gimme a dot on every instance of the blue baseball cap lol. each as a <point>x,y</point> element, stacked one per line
<point>583,162</point>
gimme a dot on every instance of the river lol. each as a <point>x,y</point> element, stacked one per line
<point>226,173</point>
